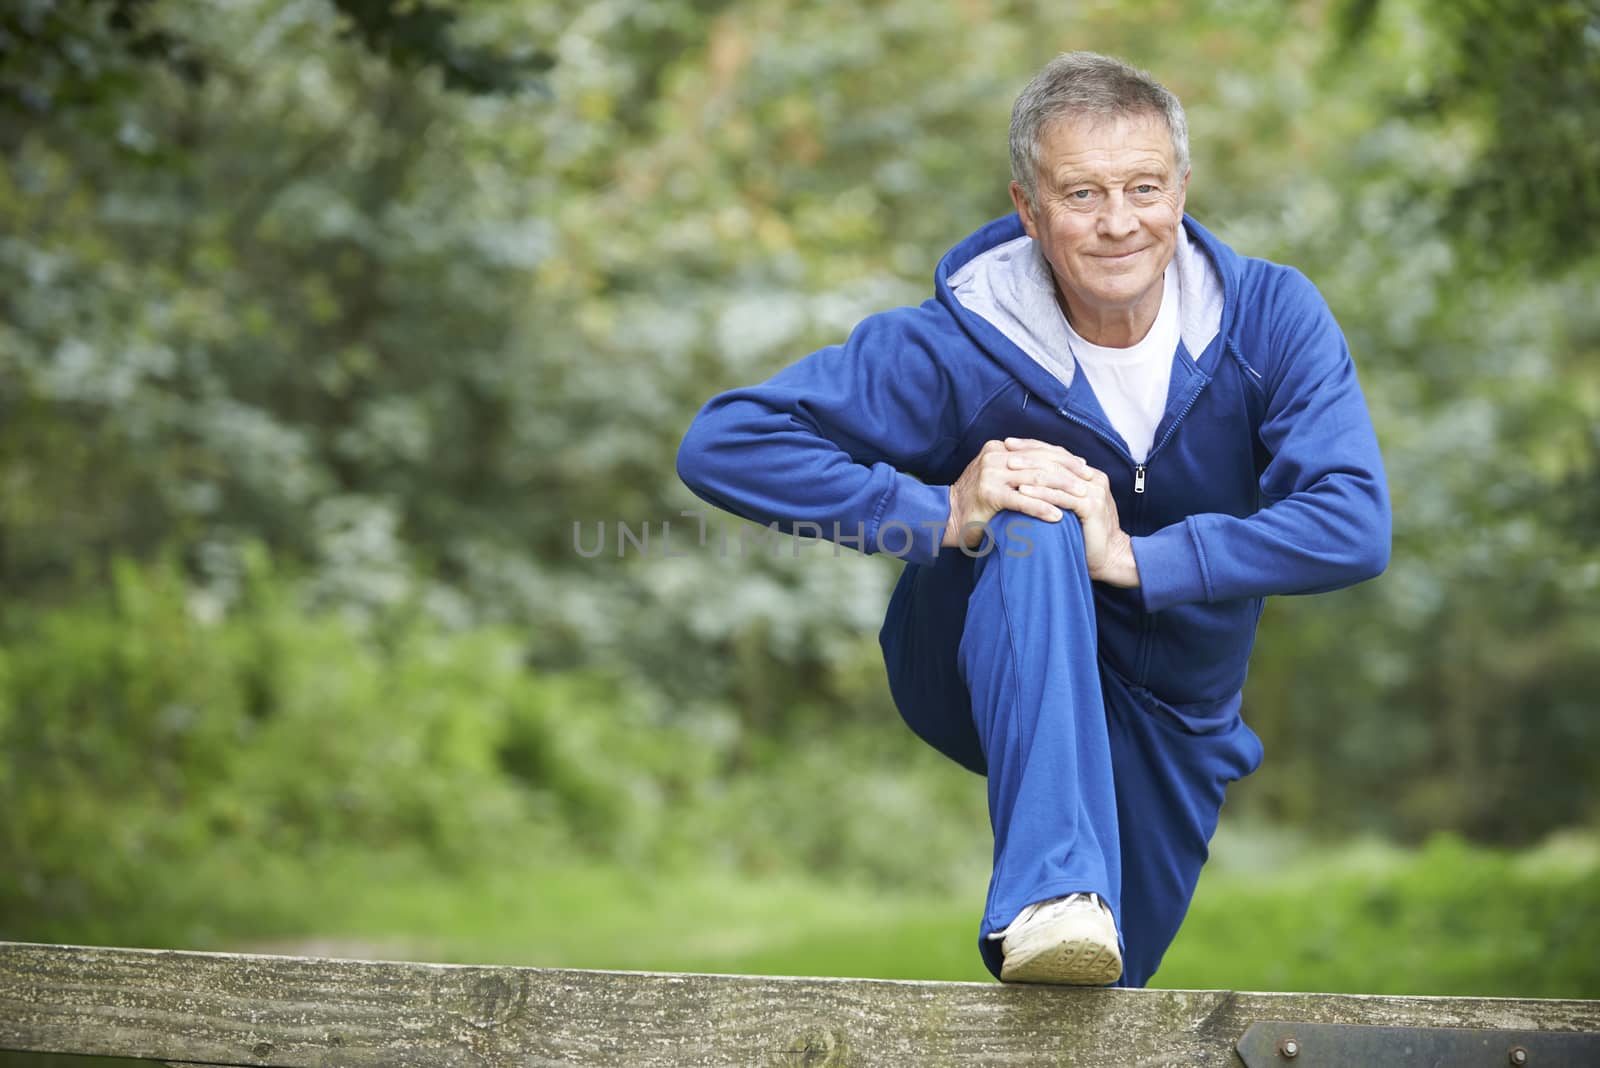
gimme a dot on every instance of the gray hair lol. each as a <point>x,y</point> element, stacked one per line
<point>1087,83</point>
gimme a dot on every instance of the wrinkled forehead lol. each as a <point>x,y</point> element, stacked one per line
<point>1078,131</point>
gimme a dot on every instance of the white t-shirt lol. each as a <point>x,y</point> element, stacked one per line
<point>1012,287</point>
<point>1131,383</point>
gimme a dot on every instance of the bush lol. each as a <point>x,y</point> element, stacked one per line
<point>145,729</point>
<point>136,734</point>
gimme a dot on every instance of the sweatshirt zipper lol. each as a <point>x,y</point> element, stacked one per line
<point>1066,414</point>
<point>1139,470</point>
<point>1141,475</point>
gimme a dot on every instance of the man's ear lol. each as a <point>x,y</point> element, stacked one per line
<point>1020,198</point>
<point>1183,190</point>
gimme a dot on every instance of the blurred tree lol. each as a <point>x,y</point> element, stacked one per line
<point>1527,73</point>
<point>71,54</point>
<point>278,281</point>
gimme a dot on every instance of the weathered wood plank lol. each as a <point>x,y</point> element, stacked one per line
<point>290,1012</point>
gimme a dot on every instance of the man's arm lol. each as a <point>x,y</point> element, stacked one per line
<point>1326,523</point>
<point>828,440</point>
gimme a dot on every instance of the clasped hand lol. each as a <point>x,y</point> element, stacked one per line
<point>1043,481</point>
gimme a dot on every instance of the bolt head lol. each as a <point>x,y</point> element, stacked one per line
<point>1289,1047</point>
<point>1519,1055</point>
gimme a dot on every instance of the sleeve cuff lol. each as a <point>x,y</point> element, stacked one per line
<point>1171,569</point>
<point>911,520</point>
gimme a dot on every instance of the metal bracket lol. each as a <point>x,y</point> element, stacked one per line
<point>1289,1044</point>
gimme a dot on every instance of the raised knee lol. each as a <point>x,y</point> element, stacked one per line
<point>1011,535</point>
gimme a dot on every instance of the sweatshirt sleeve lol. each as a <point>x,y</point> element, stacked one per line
<point>825,445</point>
<point>1326,519</point>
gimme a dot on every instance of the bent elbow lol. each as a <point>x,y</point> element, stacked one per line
<point>694,467</point>
<point>707,462</point>
<point>1367,528</point>
<point>1371,558</point>
<point>1375,560</point>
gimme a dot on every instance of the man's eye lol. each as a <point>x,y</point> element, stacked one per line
<point>1145,188</point>
<point>1079,194</point>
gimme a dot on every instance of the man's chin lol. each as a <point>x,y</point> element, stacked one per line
<point>1114,296</point>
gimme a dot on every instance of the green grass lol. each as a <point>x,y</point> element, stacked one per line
<point>1271,914</point>
<point>599,916</point>
<point>1447,919</point>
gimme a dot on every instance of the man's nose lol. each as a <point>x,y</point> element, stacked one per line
<point>1117,217</point>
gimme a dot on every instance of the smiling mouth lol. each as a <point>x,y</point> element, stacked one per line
<point>1118,255</point>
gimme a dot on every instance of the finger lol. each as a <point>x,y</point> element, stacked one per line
<point>1056,477</point>
<point>1036,461</point>
<point>999,493</point>
<point>1053,477</point>
<point>1033,506</point>
<point>1087,509</point>
<point>1028,498</point>
<point>1032,445</point>
<point>1063,498</point>
<point>1049,455</point>
<point>1056,481</point>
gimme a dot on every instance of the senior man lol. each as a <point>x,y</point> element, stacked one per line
<point>1195,411</point>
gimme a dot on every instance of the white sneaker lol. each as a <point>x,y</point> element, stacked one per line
<point>1070,939</point>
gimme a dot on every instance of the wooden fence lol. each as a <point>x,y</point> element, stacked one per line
<point>293,1012</point>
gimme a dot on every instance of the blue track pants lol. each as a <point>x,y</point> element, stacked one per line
<point>1094,784</point>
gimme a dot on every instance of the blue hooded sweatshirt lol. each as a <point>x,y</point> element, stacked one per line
<point>1264,476</point>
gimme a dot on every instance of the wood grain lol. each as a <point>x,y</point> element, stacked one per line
<point>293,1012</point>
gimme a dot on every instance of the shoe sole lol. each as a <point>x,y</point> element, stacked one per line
<point>1074,962</point>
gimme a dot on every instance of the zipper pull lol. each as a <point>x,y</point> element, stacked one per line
<point>1138,478</point>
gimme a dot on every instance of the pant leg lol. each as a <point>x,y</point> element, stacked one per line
<point>920,638</point>
<point>987,659</point>
<point>1169,785</point>
<point>1029,658</point>
<point>992,661</point>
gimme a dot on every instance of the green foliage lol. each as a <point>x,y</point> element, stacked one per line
<point>401,338</point>
<point>1528,74</point>
<point>1448,919</point>
<point>138,734</point>
<point>60,58</point>
<point>415,33</point>
<point>68,55</point>
<point>143,734</point>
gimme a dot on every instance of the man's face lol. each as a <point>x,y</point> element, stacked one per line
<point>1109,206</point>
